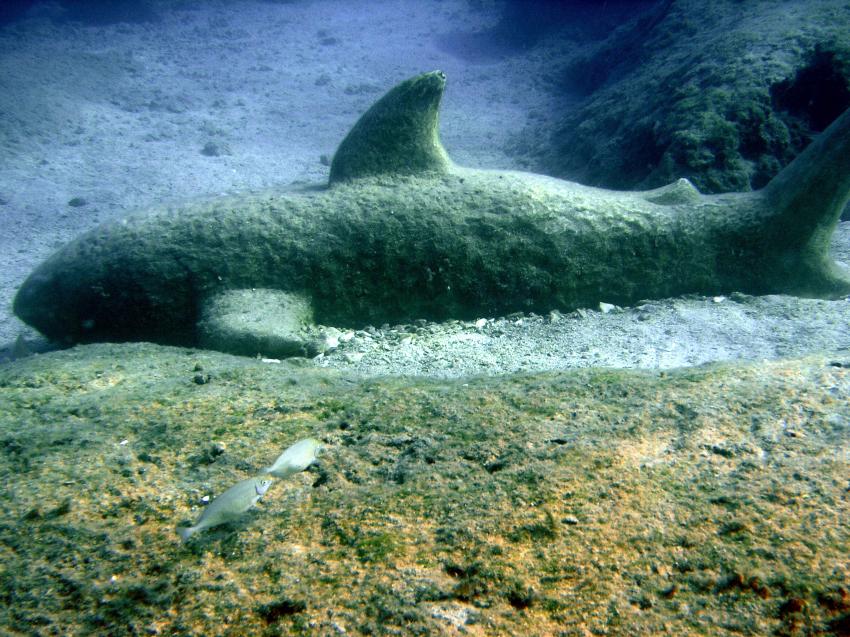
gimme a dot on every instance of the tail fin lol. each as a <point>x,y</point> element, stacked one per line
<point>185,532</point>
<point>809,196</point>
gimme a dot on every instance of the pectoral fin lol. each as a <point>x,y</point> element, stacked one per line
<point>269,323</point>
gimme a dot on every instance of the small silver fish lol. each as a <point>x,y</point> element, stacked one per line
<point>296,458</point>
<point>228,506</point>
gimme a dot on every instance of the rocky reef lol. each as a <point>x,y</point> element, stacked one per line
<point>724,94</point>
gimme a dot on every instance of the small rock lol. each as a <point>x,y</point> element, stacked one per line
<point>837,420</point>
<point>521,596</point>
<point>329,339</point>
<point>212,149</point>
<point>721,450</point>
<point>735,526</point>
<point>731,581</point>
<point>670,591</point>
<point>144,456</point>
<point>792,605</point>
<point>837,599</point>
<point>273,611</point>
<point>63,508</point>
<point>77,202</point>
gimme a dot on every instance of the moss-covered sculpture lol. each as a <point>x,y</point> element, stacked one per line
<point>402,233</point>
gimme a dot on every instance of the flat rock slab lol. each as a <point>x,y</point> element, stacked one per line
<point>708,501</point>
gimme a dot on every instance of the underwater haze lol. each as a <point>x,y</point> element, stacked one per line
<point>543,305</point>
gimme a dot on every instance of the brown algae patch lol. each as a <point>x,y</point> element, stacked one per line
<point>707,501</point>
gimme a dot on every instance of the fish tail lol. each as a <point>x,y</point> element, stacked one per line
<point>807,197</point>
<point>279,473</point>
<point>185,532</point>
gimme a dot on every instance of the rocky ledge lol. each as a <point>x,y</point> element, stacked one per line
<point>706,501</point>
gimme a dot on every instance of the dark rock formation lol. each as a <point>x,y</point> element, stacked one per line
<point>724,94</point>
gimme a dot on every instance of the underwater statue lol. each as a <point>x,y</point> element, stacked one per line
<point>400,233</point>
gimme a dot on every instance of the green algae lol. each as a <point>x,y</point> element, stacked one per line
<point>540,504</point>
<point>724,94</point>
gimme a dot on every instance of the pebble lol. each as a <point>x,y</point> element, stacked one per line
<point>837,420</point>
<point>331,342</point>
<point>671,333</point>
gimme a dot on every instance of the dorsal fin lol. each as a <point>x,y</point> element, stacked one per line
<point>679,192</point>
<point>397,135</point>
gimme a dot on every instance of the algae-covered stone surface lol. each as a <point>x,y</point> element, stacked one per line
<point>711,501</point>
<point>724,93</point>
